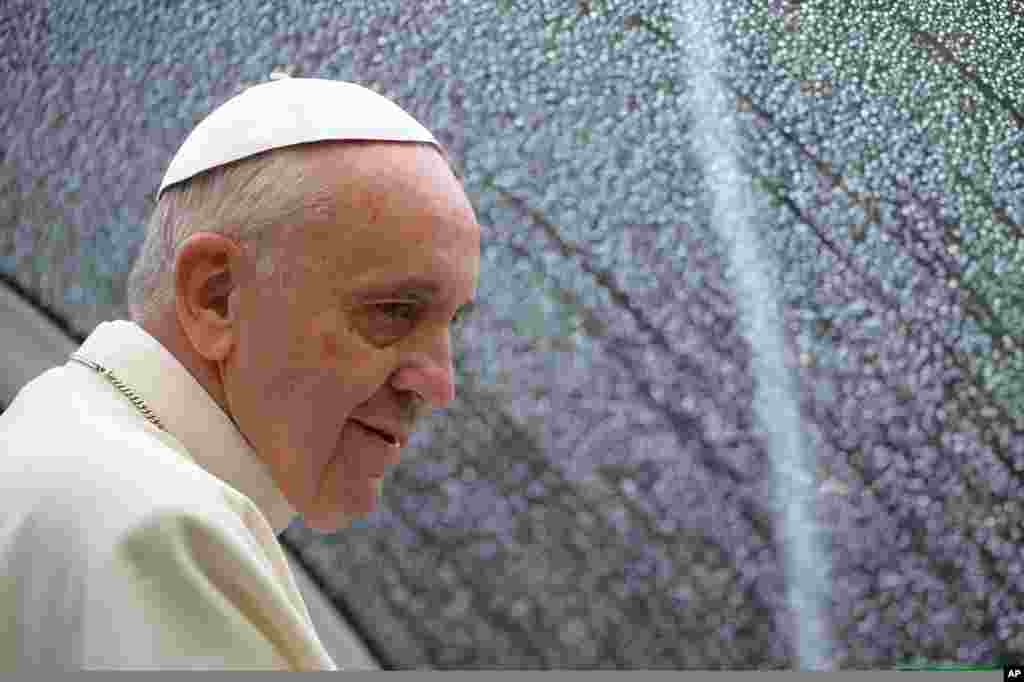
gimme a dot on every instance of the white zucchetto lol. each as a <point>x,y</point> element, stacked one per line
<point>288,111</point>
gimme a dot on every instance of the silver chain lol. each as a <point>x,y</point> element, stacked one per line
<point>138,402</point>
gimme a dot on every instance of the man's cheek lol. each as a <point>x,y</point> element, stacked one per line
<point>323,329</point>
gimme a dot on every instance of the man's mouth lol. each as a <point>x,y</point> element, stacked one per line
<point>386,437</point>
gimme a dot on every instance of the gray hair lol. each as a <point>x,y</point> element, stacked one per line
<point>258,202</point>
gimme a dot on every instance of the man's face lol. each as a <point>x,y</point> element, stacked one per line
<point>355,338</point>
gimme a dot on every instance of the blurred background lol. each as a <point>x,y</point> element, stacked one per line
<point>609,489</point>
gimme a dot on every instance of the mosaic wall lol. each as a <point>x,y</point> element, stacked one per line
<point>601,493</point>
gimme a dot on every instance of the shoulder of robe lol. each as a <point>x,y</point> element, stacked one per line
<point>96,506</point>
<point>86,472</point>
<point>184,583</point>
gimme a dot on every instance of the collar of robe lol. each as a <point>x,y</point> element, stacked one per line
<point>167,395</point>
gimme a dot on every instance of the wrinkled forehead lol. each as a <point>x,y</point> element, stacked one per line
<point>395,209</point>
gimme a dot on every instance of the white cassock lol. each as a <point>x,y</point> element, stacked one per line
<point>124,546</point>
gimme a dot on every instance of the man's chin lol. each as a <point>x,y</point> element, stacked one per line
<point>331,520</point>
<point>332,524</point>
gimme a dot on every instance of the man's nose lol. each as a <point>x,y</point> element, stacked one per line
<point>431,374</point>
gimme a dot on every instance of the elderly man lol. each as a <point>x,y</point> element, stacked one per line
<point>290,320</point>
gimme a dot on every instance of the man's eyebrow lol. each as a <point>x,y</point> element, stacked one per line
<point>414,287</point>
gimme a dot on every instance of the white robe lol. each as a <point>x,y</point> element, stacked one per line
<point>123,546</point>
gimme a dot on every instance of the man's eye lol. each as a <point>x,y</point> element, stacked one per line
<point>401,311</point>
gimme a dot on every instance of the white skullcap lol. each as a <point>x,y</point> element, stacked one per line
<point>289,111</point>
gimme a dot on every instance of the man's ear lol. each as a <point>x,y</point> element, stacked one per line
<point>207,271</point>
